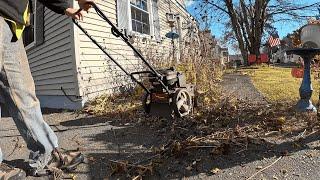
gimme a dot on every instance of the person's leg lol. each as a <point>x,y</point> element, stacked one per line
<point>1,153</point>
<point>6,171</point>
<point>1,67</point>
<point>18,90</point>
<point>1,97</point>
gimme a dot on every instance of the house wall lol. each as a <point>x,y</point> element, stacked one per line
<point>96,73</point>
<point>52,63</point>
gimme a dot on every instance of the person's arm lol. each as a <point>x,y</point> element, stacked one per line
<point>58,6</point>
<point>63,7</point>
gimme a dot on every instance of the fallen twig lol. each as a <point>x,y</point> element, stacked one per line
<point>265,168</point>
<point>241,150</point>
<point>15,147</point>
<point>145,160</point>
<point>182,128</point>
<point>312,133</point>
<point>191,147</point>
<point>271,133</point>
<point>125,165</point>
<point>302,133</point>
<point>77,141</point>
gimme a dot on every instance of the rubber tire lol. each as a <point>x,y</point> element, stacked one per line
<point>175,108</point>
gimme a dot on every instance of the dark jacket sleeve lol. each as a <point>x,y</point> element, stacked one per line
<point>58,6</point>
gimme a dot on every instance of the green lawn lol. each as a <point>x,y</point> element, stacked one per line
<point>278,85</point>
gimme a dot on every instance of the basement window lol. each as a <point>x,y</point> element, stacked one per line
<point>140,16</point>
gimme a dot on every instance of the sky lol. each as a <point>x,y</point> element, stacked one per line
<point>282,28</point>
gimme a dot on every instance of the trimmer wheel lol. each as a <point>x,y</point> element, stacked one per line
<point>182,103</point>
<point>146,102</point>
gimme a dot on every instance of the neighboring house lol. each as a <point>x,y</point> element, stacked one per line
<point>236,59</point>
<point>61,57</point>
<point>224,55</point>
<point>281,56</point>
<point>221,54</point>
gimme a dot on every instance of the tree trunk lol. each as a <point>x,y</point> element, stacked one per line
<point>237,29</point>
<point>244,54</point>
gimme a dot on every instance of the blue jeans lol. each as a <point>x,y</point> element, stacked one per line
<point>17,93</point>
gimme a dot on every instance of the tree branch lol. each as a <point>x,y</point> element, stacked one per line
<point>218,7</point>
<point>283,10</point>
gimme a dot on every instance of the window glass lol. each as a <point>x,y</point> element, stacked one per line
<point>139,26</point>
<point>134,26</point>
<point>145,18</point>
<point>146,29</point>
<point>28,33</point>
<point>133,13</point>
<point>142,4</point>
<point>139,17</point>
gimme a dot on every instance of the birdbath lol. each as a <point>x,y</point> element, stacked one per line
<point>305,90</point>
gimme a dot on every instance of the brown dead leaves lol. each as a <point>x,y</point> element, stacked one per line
<point>228,127</point>
<point>116,106</point>
<point>131,170</point>
<point>221,125</point>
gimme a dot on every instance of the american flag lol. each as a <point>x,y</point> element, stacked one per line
<point>274,39</point>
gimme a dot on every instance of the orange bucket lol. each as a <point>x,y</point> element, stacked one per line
<point>297,72</point>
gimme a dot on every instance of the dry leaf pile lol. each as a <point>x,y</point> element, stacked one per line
<point>221,125</point>
<point>116,105</point>
<point>228,127</point>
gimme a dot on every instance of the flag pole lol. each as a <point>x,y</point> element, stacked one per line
<point>271,55</point>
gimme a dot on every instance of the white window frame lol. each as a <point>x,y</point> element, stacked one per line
<point>32,44</point>
<point>150,13</point>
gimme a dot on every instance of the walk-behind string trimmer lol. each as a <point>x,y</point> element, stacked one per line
<point>169,94</point>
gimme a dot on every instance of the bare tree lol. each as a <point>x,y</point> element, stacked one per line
<point>248,20</point>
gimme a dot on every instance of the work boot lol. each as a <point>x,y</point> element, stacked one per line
<point>8,172</point>
<point>66,161</point>
<point>60,162</point>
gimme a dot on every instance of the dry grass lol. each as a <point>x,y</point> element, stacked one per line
<point>278,85</point>
<point>116,105</point>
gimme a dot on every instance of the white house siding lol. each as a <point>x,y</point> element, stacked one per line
<point>173,6</point>
<point>96,73</point>
<point>52,63</point>
<point>164,50</point>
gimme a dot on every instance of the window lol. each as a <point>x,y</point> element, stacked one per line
<point>140,16</point>
<point>33,35</point>
<point>29,32</point>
